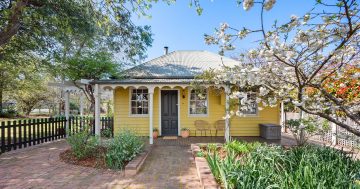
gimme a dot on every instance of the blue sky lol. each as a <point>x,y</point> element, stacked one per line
<point>179,27</point>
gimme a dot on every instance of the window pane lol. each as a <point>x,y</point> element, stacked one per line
<point>138,104</point>
<point>145,97</point>
<point>198,103</point>
<point>139,101</point>
<point>192,110</point>
<point>145,104</point>
<point>133,104</point>
<point>133,96</point>
<point>202,110</point>
<point>192,96</point>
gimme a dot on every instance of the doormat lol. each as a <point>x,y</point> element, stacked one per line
<point>170,137</point>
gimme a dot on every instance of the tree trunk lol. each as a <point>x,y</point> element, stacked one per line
<point>13,23</point>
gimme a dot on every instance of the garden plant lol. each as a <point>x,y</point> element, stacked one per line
<point>114,153</point>
<point>254,165</point>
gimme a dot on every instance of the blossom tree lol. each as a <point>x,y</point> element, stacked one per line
<point>312,61</point>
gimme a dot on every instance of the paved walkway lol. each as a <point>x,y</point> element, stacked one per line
<point>40,167</point>
<point>170,165</point>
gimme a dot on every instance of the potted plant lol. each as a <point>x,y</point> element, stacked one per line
<point>155,133</point>
<point>185,132</point>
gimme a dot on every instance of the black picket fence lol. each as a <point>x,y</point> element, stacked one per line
<point>23,133</point>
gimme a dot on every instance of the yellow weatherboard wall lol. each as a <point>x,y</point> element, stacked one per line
<point>240,126</point>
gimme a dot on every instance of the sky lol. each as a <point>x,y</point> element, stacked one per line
<point>179,27</point>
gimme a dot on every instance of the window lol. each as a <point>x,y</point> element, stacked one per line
<point>249,105</point>
<point>198,103</point>
<point>139,101</point>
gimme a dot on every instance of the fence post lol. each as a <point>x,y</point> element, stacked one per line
<point>67,112</point>
<point>3,149</point>
<point>333,133</point>
<point>9,135</point>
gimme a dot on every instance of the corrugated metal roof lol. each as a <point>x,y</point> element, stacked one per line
<point>145,81</point>
<point>179,64</point>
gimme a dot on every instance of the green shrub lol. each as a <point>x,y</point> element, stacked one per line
<point>299,167</point>
<point>122,149</point>
<point>83,144</point>
<point>240,147</point>
<point>107,132</point>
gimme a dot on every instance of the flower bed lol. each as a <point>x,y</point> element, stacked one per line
<point>115,153</point>
<point>254,165</point>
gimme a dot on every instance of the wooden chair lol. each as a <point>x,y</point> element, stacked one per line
<point>219,126</point>
<point>201,125</point>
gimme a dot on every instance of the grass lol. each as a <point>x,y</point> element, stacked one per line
<point>249,165</point>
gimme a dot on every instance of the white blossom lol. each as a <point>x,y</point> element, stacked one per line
<point>297,103</point>
<point>269,4</point>
<point>247,4</point>
<point>263,91</point>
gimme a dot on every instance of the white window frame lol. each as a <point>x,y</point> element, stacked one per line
<point>130,100</point>
<point>257,107</point>
<point>207,107</point>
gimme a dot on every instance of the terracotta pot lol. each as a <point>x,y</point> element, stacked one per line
<point>185,134</point>
<point>155,134</point>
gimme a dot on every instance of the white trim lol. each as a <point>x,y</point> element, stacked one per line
<point>227,112</point>
<point>130,94</point>
<point>97,110</point>
<point>151,113</point>
<point>178,106</point>
<point>207,108</point>
<point>67,111</point>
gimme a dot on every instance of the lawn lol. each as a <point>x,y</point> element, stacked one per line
<point>254,165</point>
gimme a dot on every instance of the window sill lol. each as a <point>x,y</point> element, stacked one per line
<point>250,115</point>
<point>198,115</point>
<point>138,115</point>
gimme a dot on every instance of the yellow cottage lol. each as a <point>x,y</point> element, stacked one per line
<point>158,94</point>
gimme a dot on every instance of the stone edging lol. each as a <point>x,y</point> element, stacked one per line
<point>207,179</point>
<point>133,167</point>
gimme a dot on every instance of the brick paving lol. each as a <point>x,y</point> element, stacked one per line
<point>40,167</point>
<point>169,165</point>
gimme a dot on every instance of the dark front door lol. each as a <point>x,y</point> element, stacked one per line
<point>169,113</point>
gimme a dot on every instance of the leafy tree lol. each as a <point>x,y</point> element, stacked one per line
<point>65,31</point>
<point>31,88</point>
<point>92,66</point>
<point>39,24</point>
<point>310,61</point>
<point>13,70</point>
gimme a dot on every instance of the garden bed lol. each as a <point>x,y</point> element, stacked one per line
<point>131,168</point>
<point>126,151</point>
<point>95,162</point>
<point>253,165</point>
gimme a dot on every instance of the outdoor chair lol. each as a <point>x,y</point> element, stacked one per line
<point>219,126</point>
<point>201,125</point>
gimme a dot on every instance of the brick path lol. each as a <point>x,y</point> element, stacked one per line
<point>40,167</point>
<point>169,165</point>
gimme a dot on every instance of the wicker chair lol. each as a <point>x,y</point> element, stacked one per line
<point>201,125</point>
<point>219,126</point>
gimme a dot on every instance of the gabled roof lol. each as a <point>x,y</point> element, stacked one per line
<point>180,65</point>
